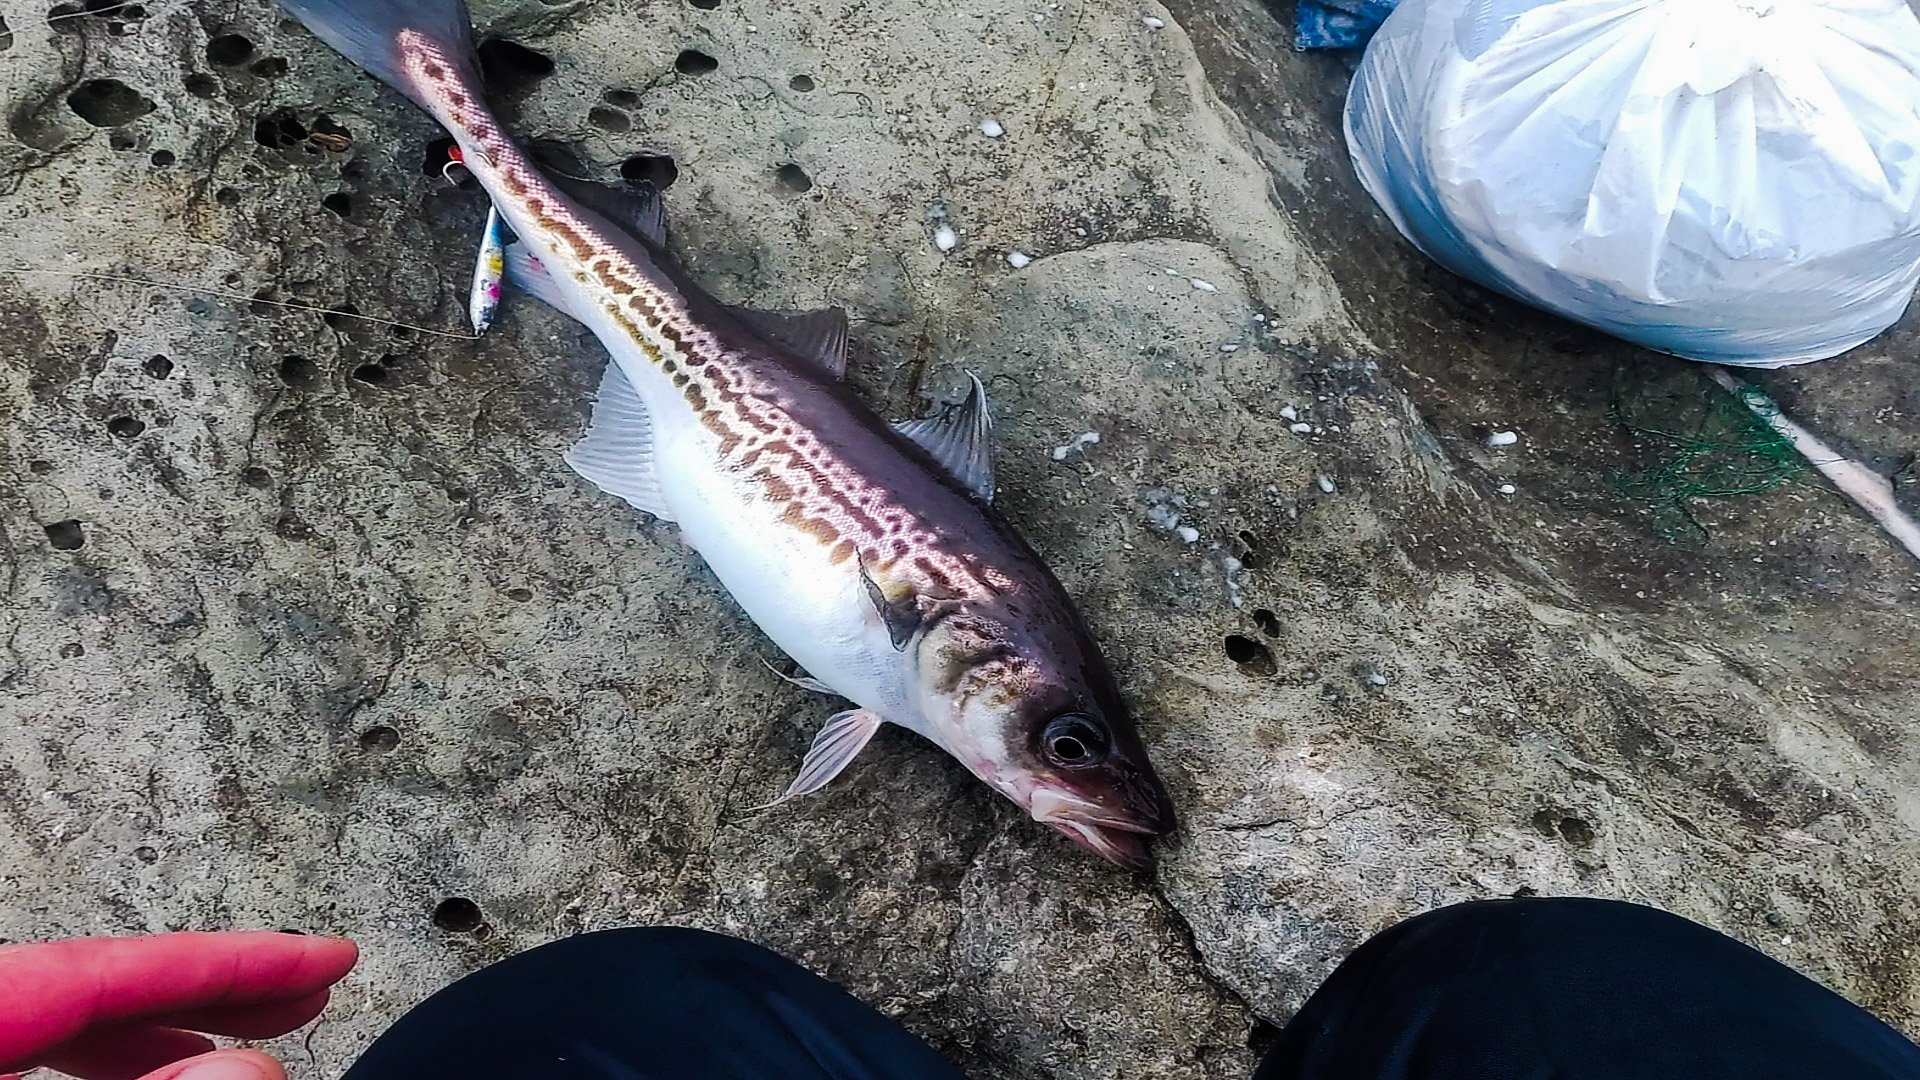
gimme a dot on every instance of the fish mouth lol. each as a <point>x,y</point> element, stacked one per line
<point>1120,839</point>
<point>1123,847</point>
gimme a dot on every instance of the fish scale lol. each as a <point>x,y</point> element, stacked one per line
<point>820,495</point>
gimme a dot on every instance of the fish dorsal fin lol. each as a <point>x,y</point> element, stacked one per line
<point>617,453</point>
<point>525,271</point>
<point>957,437</point>
<point>838,743</point>
<point>632,205</point>
<point>818,337</point>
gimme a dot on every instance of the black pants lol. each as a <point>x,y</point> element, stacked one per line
<point>1500,990</point>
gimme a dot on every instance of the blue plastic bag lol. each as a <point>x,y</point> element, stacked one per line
<point>1338,24</point>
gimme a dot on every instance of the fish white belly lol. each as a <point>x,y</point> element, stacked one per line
<point>815,610</point>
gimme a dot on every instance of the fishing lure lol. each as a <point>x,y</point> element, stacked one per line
<point>490,267</point>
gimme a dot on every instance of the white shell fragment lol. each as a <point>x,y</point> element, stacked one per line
<point>1202,285</point>
<point>1152,23</point>
<point>1327,484</point>
<point>1019,260</point>
<point>1289,414</point>
<point>1302,429</point>
<point>945,238</point>
<point>1502,438</point>
<point>1507,489</point>
<point>991,128</point>
<point>1075,445</point>
<point>1189,534</point>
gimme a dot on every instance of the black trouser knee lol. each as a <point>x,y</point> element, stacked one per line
<point>657,1003</point>
<point>1576,989</point>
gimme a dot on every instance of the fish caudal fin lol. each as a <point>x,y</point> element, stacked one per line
<point>370,33</point>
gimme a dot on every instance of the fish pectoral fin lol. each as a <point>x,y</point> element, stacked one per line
<point>633,205</point>
<point>958,438</point>
<point>901,614</point>
<point>617,453</point>
<point>838,743</point>
<point>524,271</point>
<point>818,337</point>
<point>804,682</point>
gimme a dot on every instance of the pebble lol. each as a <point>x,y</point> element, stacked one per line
<point>1077,443</point>
<point>1202,285</point>
<point>1289,414</point>
<point>1019,260</point>
<point>1152,23</point>
<point>991,128</point>
<point>1302,429</point>
<point>1229,348</point>
<point>1327,485</point>
<point>1188,533</point>
<point>1502,438</point>
<point>1507,489</point>
<point>945,238</point>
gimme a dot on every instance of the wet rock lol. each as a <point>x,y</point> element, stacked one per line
<point>358,646</point>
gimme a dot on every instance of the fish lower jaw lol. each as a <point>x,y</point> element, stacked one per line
<point>1124,847</point>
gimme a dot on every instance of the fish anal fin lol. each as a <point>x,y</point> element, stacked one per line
<point>818,337</point>
<point>838,743</point>
<point>958,437</point>
<point>525,271</point>
<point>617,453</point>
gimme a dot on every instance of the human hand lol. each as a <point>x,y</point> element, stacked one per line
<point>126,1008</point>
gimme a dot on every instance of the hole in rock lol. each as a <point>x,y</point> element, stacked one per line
<point>229,50</point>
<point>694,62</point>
<point>656,169</point>
<point>66,535</point>
<point>1253,657</point>
<point>380,738</point>
<point>793,177</point>
<point>108,102</point>
<point>511,68</point>
<point>458,915</point>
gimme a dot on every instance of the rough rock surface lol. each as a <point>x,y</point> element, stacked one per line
<point>308,626</point>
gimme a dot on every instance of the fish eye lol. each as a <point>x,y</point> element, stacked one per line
<point>1074,741</point>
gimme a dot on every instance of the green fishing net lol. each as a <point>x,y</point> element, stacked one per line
<point>1691,440</point>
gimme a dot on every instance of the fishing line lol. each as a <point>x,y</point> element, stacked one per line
<point>230,295</point>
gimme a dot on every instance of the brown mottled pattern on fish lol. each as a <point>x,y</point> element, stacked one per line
<point>821,495</point>
<point>871,554</point>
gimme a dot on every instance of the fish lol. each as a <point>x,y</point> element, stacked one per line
<point>871,553</point>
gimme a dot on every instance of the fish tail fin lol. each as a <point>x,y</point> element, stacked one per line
<point>378,34</point>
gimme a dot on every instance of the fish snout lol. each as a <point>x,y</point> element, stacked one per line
<point>1115,828</point>
<point>1148,803</point>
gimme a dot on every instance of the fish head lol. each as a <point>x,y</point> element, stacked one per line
<point>1038,717</point>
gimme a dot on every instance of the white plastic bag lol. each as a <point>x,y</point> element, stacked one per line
<point>1726,180</point>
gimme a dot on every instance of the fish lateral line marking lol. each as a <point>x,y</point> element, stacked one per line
<point>724,393</point>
